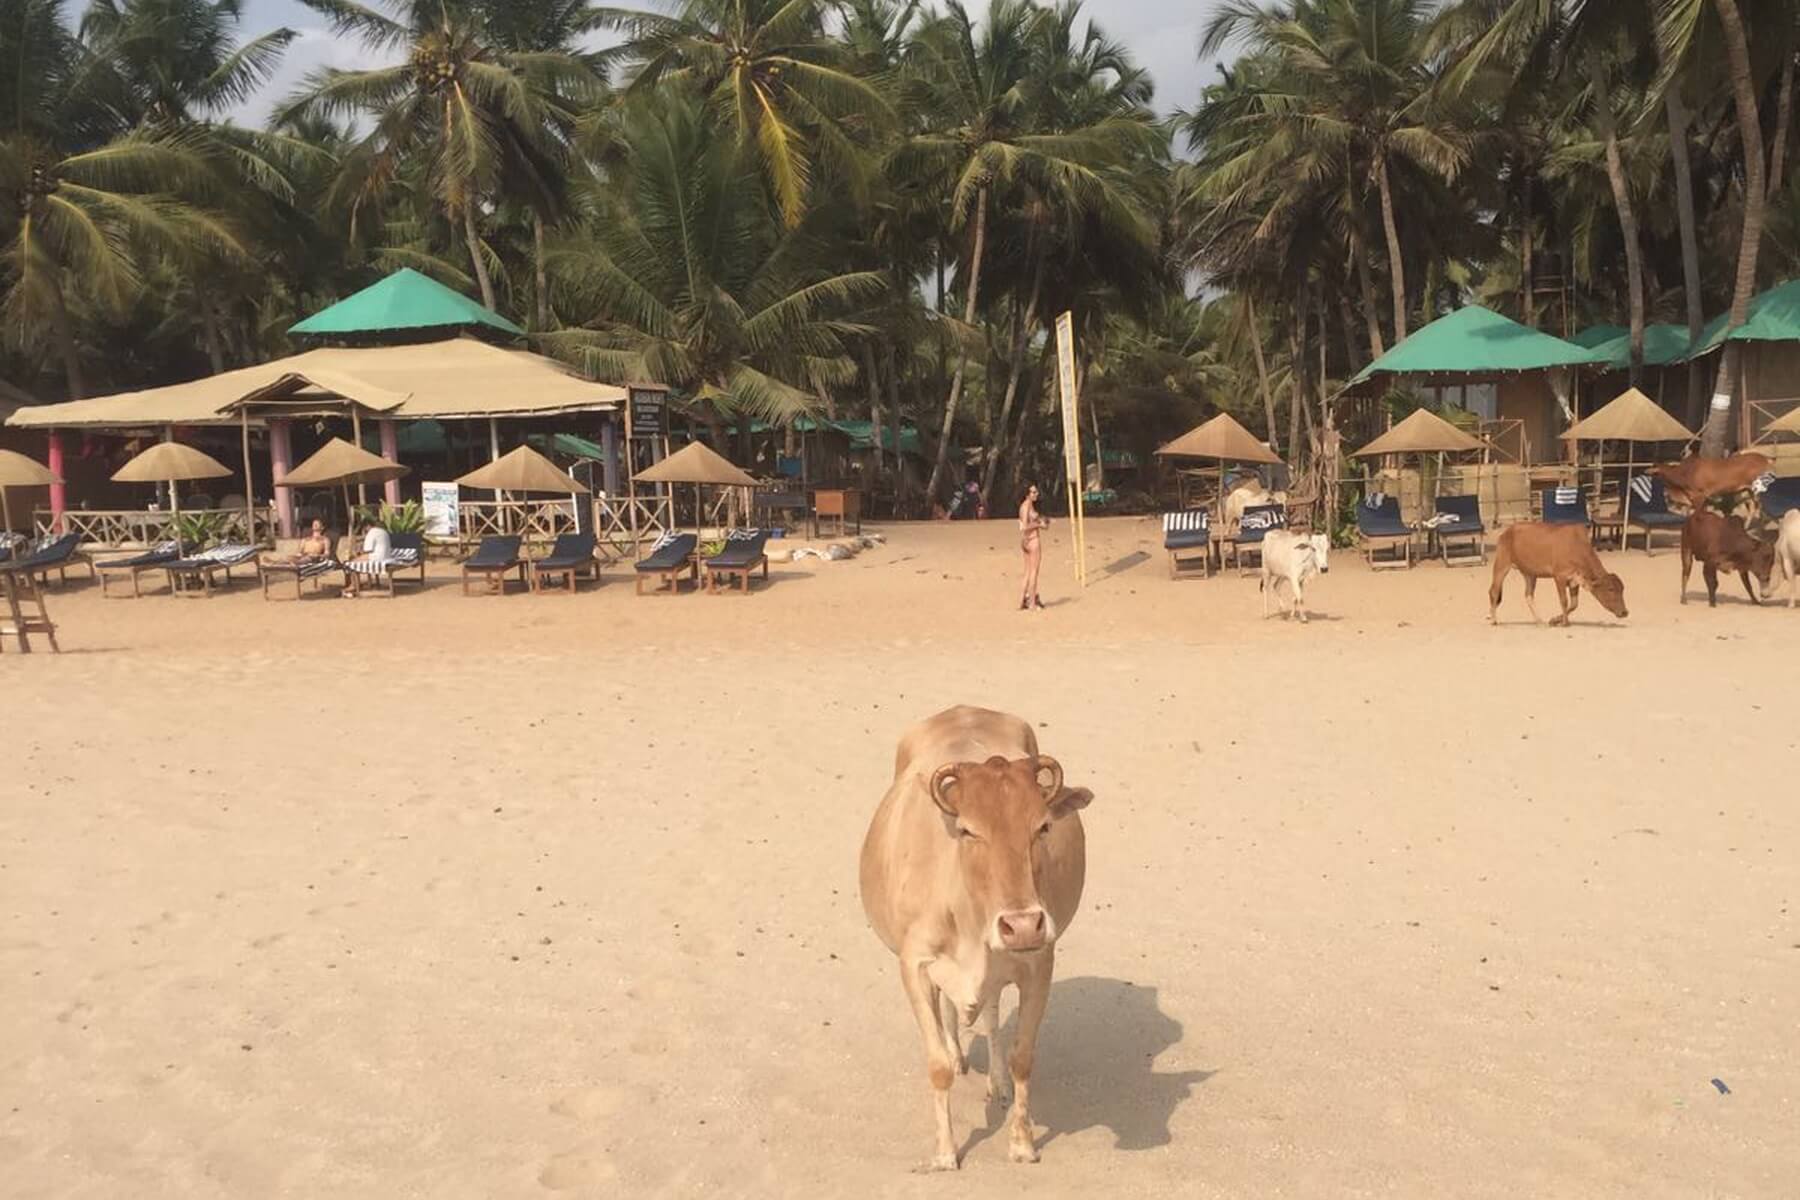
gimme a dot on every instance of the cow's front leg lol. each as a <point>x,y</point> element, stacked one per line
<point>1034,997</point>
<point>923,997</point>
<point>1748,590</point>
<point>1562,598</point>
<point>947,1021</point>
<point>1299,601</point>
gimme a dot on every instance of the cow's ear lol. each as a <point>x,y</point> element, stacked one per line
<point>1071,800</point>
<point>1048,773</point>
<point>945,784</point>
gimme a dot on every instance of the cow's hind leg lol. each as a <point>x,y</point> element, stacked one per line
<point>1710,574</point>
<point>1299,600</point>
<point>1531,598</point>
<point>987,1025</point>
<point>1502,564</point>
<point>923,997</point>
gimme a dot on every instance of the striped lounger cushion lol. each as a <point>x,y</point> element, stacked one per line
<point>1185,530</point>
<point>1643,487</point>
<point>407,557</point>
<point>1567,497</point>
<point>225,556</point>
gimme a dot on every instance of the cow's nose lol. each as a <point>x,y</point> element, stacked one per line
<point>1023,929</point>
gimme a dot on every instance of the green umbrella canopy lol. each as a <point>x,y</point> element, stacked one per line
<point>1663,344</point>
<point>405,300</point>
<point>1773,316</point>
<point>1475,342</point>
<point>1594,335</point>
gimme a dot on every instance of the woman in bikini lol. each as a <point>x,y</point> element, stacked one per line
<point>1031,524</point>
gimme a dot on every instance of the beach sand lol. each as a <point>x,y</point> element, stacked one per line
<point>532,896</point>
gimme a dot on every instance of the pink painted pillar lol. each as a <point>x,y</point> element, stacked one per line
<point>59,492</point>
<point>281,460</point>
<point>390,450</point>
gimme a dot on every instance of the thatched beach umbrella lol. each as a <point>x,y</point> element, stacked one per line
<point>16,470</point>
<point>1423,432</point>
<point>340,464</point>
<point>171,462</point>
<point>1224,440</point>
<point>700,465</point>
<point>1629,417</point>
<point>1787,423</point>
<point>523,470</point>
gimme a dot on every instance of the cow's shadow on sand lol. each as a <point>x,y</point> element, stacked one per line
<point>1096,1066</point>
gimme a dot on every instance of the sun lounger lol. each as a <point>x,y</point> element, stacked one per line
<point>1253,525</point>
<point>198,572</point>
<point>299,571</point>
<point>1565,505</point>
<point>153,559</point>
<point>1379,527</point>
<point>570,557</point>
<point>1188,530</point>
<point>406,552</point>
<point>670,559</point>
<point>49,554</point>
<point>744,552</point>
<point>1650,510</point>
<point>1459,525</point>
<point>1779,497</point>
<point>493,559</point>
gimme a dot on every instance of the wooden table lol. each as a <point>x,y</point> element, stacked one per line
<point>844,504</point>
<point>17,623</point>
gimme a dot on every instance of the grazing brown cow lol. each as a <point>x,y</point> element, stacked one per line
<point>1722,543</point>
<point>1559,552</point>
<point>1695,480</point>
<point>972,868</point>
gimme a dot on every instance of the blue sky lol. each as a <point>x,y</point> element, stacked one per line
<point>1162,34</point>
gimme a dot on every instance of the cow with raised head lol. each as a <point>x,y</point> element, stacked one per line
<point>972,869</point>
<point>1723,544</point>
<point>1295,558</point>
<point>1561,553</point>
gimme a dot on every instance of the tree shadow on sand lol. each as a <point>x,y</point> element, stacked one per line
<point>1096,1066</point>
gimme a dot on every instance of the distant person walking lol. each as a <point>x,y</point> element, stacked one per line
<point>1031,526</point>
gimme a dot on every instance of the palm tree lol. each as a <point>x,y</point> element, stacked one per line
<point>769,71</point>
<point>681,279</point>
<point>175,61</point>
<point>461,110</point>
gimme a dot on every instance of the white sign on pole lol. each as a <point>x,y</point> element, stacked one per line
<point>439,501</point>
<point>1065,372</point>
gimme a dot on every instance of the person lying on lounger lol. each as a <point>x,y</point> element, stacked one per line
<point>314,547</point>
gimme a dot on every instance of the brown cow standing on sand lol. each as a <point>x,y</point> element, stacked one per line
<point>1721,543</point>
<point>1695,479</point>
<point>1559,552</point>
<point>972,868</point>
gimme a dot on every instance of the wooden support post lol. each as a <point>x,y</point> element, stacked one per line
<point>390,450</point>
<point>59,493</point>
<point>281,461</point>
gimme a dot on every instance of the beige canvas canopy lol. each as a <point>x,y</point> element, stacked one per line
<point>522,470</point>
<point>1788,422</point>
<point>695,463</point>
<point>337,462</point>
<point>168,461</point>
<point>1631,417</point>
<point>16,470</point>
<point>454,378</point>
<point>1423,432</point>
<point>1222,438</point>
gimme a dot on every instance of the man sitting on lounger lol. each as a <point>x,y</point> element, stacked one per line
<point>377,551</point>
<point>314,547</point>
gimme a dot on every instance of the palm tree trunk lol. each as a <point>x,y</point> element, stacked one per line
<point>874,383</point>
<point>1262,366</point>
<point>1370,313</point>
<point>1015,368</point>
<point>1743,90</point>
<point>893,357</point>
<point>1396,267</point>
<point>1297,361</point>
<point>543,275</point>
<point>476,256</point>
<point>1690,246</point>
<point>1029,393</point>
<point>1784,116</point>
<point>64,331</point>
<point>1529,307</point>
<point>962,357</point>
<point>209,328</point>
<point>1628,228</point>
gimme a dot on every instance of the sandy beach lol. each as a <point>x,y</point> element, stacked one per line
<point>532,896</point>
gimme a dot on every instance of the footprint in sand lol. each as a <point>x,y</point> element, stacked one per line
<point>590,1104</point>
<point>577,1169</point>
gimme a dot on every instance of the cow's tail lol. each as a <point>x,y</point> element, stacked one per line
<point>1503,561</point>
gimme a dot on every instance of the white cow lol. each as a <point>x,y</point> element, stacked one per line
<point>1787,553</point>
<point>1295,557</point>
